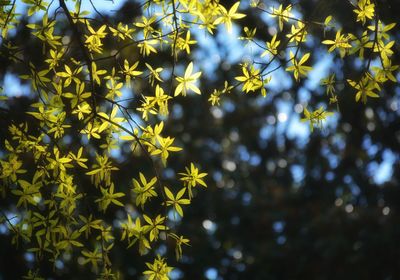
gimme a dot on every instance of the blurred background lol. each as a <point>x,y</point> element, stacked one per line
<point>282,203</point>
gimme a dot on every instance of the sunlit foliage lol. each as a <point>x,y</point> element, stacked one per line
<point>49,220</point>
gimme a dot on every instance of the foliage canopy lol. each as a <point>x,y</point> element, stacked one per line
<point>60,164</point>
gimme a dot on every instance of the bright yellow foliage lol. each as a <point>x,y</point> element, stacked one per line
<point>62,191</point>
